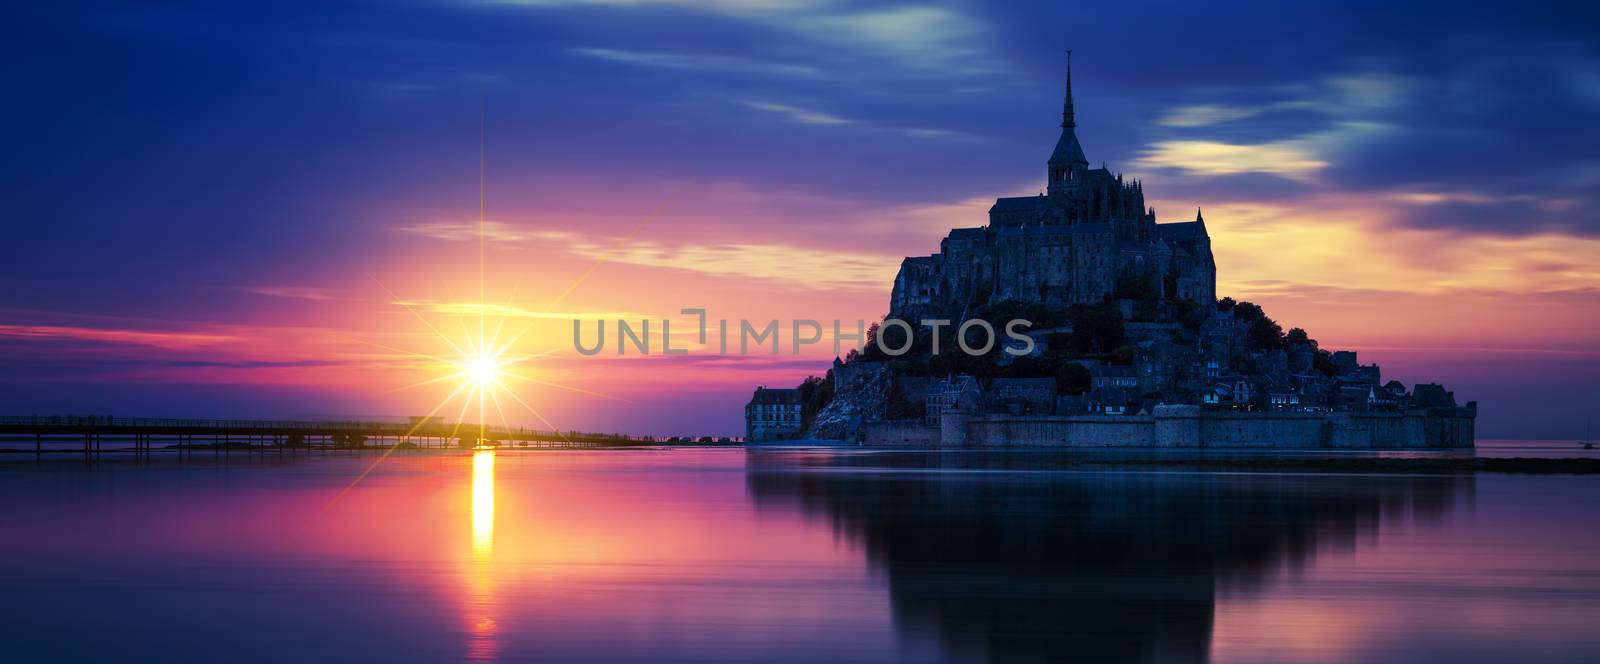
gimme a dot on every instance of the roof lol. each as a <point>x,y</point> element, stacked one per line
<point>1430,395</point>
<point>775,395</point>
<point>1100,175</point>
<point>1068,149</point>
<point>1181,231</point>
<point>1017,204</point>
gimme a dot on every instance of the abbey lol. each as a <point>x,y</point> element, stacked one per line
<point>1087,235</point>
<point>1128,345</point>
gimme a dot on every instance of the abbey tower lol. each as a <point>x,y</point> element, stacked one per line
<point>1088,234</point>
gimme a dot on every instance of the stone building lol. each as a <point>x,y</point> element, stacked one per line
<point>772,414</point>
<point>1021,396</point>
<point>1075,243</point>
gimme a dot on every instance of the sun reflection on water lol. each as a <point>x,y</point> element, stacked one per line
<point>482,628</point>
<point>482,503</point>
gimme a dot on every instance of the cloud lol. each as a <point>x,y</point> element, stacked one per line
<point>1323,120</point>
<point>1360,93</point>
<point>683,61</point>
<point>1350,241</point>
<point>247,364</point>
<point>1292,159</point>
<point>1422,142</point>
<point>796,114</point>
<point>293,292</point>
<point>1206,115</point>
<point>812,117</point>
<point>473,309</point>
<point>456,231</point>
<point>916,36</point>
<point>1349,268</point>
<point>1325,100</point>
<point>921,132</point>
<point>926,40</point>
<point>156,338</point>
<point>1299,158</point>
<point>812,269</point>
<point>737,7</point>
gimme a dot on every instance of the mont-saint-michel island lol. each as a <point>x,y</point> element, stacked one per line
<point>1127,344</point>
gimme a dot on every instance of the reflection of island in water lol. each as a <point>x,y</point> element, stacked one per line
<point>1080,566</point>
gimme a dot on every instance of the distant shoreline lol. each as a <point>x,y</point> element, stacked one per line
<point>1016,458</point>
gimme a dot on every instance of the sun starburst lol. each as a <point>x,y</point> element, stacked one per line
<point>480,362</point>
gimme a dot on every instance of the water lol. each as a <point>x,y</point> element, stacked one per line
<point>709,555</point>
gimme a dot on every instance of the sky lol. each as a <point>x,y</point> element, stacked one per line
<point>272,209</point>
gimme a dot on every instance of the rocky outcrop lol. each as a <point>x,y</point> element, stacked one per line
<point>860,399</point>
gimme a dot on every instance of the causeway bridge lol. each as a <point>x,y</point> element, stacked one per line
<point>93,435</point>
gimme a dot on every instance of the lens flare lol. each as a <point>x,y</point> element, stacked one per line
<point>482,369</point>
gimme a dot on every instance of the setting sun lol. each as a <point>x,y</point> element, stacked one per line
<point>482,369</point>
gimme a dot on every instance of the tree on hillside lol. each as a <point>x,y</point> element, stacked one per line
<point>815,394</point>
<point>1265,333</point>
<point>1097,330</point>
<point>1248,312</point>
<point>1072,379</point>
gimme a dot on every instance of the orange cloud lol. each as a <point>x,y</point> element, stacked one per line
<point>1343,267</point>
<point>1291,158</point>
<point>1348,241</point>
<point>156,338</point>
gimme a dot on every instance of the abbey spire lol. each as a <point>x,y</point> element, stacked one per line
<point>1068,119</point>
<point>1067,162</point>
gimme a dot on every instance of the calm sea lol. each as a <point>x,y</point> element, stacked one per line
<point>727,555</point>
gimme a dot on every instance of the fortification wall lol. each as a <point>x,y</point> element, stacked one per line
<point>1080,431</point>
<point>1188,427</point>
<point>899,433</point>
<point>1281,430</point>
<point>1375,430</point>
<point>1450,427</point>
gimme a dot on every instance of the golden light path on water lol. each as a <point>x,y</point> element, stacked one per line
<point>483,629</point>
<point>482,503</point>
